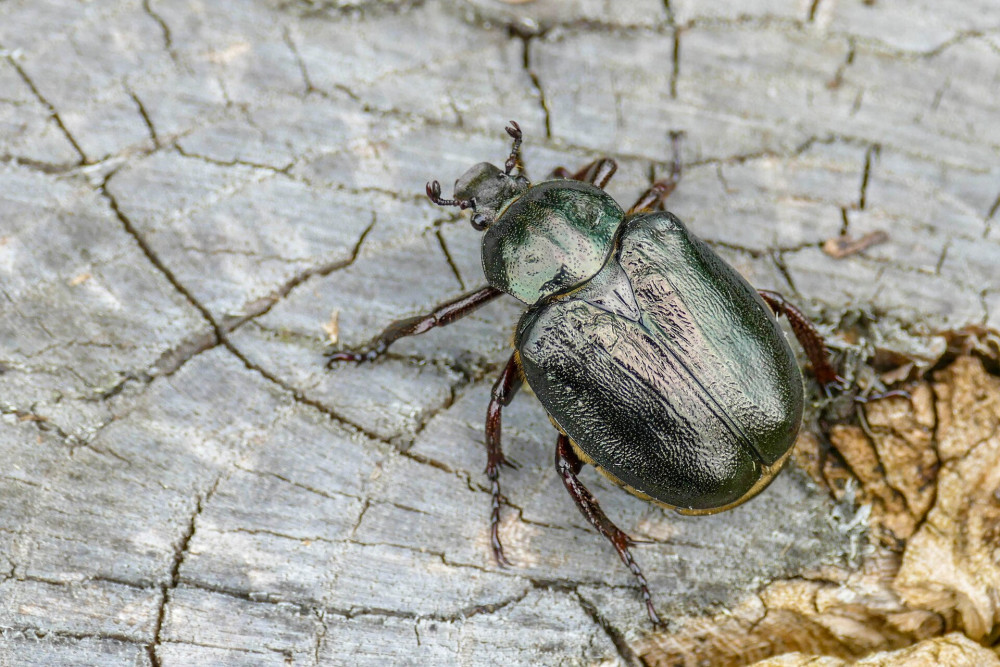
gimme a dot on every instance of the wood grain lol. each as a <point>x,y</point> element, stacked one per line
<point>189,191</point>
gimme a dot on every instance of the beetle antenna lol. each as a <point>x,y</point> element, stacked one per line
<point>514,130</point>
<point>434,194</point>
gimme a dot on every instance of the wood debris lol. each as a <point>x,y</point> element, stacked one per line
<point>846,245</point>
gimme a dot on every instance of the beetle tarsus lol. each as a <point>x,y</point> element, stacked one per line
<point>444,314</point>
<point>569,464</point>
<point>339,356</point>
<point>653,198</point>
<point>598,172</point>
<point>495,543</point>
<point>514,130</point>
<point>500,396</point>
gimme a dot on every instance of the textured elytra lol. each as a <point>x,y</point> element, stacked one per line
<point>687,401</point>
<point>248,148</point>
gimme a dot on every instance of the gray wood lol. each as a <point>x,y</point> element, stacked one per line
<point>172,172</point>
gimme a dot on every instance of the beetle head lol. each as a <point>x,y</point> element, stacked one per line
<point>485,188</point>
<point>489,190</point>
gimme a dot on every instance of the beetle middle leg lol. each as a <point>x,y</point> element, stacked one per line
<point>502,394</point>
<point>569,464</point>
<point>810,339</point>
<point>598,172</point>
<point>444,314</point>
<point>661,189</point>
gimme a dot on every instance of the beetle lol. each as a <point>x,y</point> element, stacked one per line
<point>655,360</point>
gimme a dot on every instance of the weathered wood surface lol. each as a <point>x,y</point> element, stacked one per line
<point>190,192</point>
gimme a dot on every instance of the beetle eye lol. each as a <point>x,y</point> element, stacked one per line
<point>480,221</point>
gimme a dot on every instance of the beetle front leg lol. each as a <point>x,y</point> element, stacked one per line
<point>444,314</point>
<point>598,172</point>
<point>502,394</point>
<point>568,464</point>
<point>810,339</point>
<point>661,189</point>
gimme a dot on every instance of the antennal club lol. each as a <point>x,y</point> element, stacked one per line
<point>434,194</point>
<point>514,130</point>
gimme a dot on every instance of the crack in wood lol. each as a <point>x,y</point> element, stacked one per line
<point>180,355</point>
<point>145,118</point>
<point>536,82</point>
<point>40,634</point>
<point>675,64</point>
<point>778,259</point>
<point>168,42</point>
<point>838,76</point>
<point>330,495</point>
<point>309,87</point>
<point>38,165</point>
<point>990,215</point>
<point>180,552</point>
<point>812,11</point>
<point>234,162</point>
<point>845,221</point>
<point>871,155</point>
<point>617,637</point>
<point>154,259</point>
<point>51,109</point>
<point>262,306</point>
<point>448,257</point>
<point>321,634</point>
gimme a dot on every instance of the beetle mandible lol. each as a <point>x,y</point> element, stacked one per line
<point>656,361</point>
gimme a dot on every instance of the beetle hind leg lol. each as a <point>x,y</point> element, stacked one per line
<point>660,190</point>
<point>810,339</point>
<point>502,394</point>
<point>568,464</point>
<point>598,172</point>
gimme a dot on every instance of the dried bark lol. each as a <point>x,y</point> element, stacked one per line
<point>194,197</point>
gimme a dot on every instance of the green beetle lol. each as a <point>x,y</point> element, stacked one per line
<point>655,360</point>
